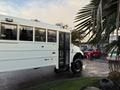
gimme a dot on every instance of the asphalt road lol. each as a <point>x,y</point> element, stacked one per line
<point>17,80</point>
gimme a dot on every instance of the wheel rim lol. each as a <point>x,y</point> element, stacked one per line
<point>77,66</point>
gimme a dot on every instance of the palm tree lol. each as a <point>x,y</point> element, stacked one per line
<point>89,20</point>
<point>101,18</point>
<point>76,37</point>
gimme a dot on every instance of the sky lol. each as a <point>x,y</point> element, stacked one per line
<point>49,11</point>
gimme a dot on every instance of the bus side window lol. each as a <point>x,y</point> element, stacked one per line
<point>8,32</point>
<point>52,36</point>
<point>40,34</point>
<point>26,33</point>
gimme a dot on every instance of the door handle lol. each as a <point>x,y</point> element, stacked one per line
<point>46,59</point>
<point>42,46</point>
<point>53,52</point>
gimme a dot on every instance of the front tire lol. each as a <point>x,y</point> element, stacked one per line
<point>76,66</point>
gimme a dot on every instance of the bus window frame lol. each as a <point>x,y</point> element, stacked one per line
<point>48,38</point>
<point>37,28</point>
<point>9,24</point>
<point>30,30</point>
<point>33,29</point>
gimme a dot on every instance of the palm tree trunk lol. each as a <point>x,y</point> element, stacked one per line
<point>118,18</point>
<point>99,19</point>
<point>99,16</point>
<point>93,19</point>
<point>117,25</point>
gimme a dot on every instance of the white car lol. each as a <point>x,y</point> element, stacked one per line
<point>113,56</point>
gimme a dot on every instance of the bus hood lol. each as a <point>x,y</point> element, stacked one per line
<point>76,49</point>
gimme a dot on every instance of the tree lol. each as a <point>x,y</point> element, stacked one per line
<point>101,18</point>
<point>76,37</point>
<point>89,20</point>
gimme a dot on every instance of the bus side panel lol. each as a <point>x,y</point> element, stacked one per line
<point>27,55</point>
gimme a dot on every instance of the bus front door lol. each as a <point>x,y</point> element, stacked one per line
<point>64,50</point>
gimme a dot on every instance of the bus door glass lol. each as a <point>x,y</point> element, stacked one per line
<point>64,49</point>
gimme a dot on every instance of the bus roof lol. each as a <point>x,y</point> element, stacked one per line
<point>33,23</point>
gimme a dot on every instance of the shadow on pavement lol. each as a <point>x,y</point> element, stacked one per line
<point>18,80</point>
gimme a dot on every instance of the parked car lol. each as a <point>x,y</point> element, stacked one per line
<point>113,56</point>
<point>97,53</point>
<point>92,53</point>
<point>88,53</point>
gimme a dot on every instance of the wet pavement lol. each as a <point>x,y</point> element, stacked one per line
<point>95,68</point>
<point>18,80</point>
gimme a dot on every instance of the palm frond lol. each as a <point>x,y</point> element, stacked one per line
<point>110,46</point>
<point>98,21</point>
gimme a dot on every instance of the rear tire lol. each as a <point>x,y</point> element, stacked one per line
<point>76,66</point>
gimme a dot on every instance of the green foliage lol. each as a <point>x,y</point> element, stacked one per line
<point>110,46</point>
<point>76,37</point>
<point>71,84</point>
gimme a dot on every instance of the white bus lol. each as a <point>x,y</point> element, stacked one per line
<point>26,44</point>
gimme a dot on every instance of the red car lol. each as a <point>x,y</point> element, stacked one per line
<point>91,53</point>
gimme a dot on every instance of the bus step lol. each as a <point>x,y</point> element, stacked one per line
<point>62,69</point>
